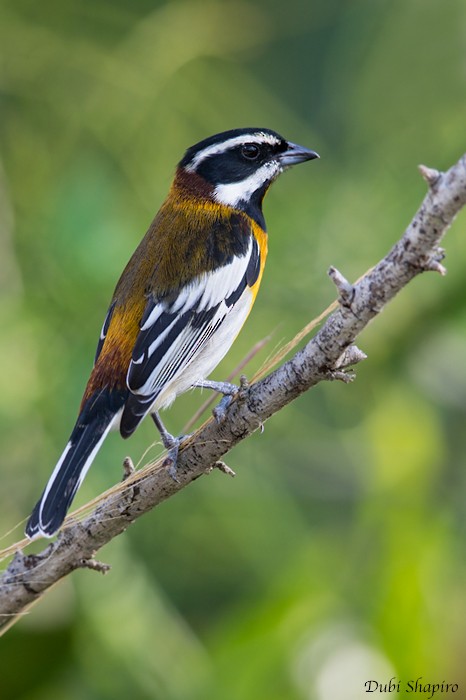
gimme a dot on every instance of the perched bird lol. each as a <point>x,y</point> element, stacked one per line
<point>179,304</point>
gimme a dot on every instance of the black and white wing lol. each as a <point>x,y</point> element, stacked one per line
<point>171,348</point>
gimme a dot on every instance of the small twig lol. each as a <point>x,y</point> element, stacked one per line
<point>351,356</point>
<point>95,565</point>
<point>345,288</point>
<point>221,466</point>
<point>335,375</point>
<point>434,262</point>
<point>243,388</point>
<point>436,266</point>
<point>128,468</point>
<point>430,175</point>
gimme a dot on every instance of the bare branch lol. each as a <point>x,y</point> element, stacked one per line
<point>324,357</point>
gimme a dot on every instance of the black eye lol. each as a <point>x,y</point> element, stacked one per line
<point>250,151</point>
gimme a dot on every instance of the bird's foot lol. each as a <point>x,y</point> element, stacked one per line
<point>228,390</point>
<point>171,460</point>
<point>172,444</point>
<point>220,411</point>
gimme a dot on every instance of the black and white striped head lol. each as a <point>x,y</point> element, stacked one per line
<point>239,165</point>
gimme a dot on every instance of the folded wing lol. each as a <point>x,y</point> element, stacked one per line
<point>174,333</point>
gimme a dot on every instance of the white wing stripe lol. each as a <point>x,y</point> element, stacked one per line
<point>187,297</point>
<point>209,290</point>
<point>220,284</point>
<point>188,349</point>
<point>163,356</point>
<point>166,370</point>
<point>160,338</point>
<point>153,316</point>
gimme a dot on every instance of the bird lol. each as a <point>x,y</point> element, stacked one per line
<point>179,304</point>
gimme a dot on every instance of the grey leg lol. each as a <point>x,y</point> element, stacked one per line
<point>227,389</point>
<point>170,442</point>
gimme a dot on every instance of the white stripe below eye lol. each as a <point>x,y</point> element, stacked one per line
<point>259,137</point>
<point>234,192</point>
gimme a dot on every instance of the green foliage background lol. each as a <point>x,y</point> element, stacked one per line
<point>337,554</point>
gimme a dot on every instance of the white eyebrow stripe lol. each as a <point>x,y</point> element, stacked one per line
<point>258,137</point>
<point>234,192</point>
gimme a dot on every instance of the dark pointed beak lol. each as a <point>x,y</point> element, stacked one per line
<point>296,154</point>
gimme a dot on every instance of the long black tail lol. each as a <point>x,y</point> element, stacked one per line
<point>86,439</point>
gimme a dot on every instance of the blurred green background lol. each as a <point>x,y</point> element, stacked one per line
<point>337,554</point>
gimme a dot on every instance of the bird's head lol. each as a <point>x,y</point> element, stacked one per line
<point>236,167</point>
